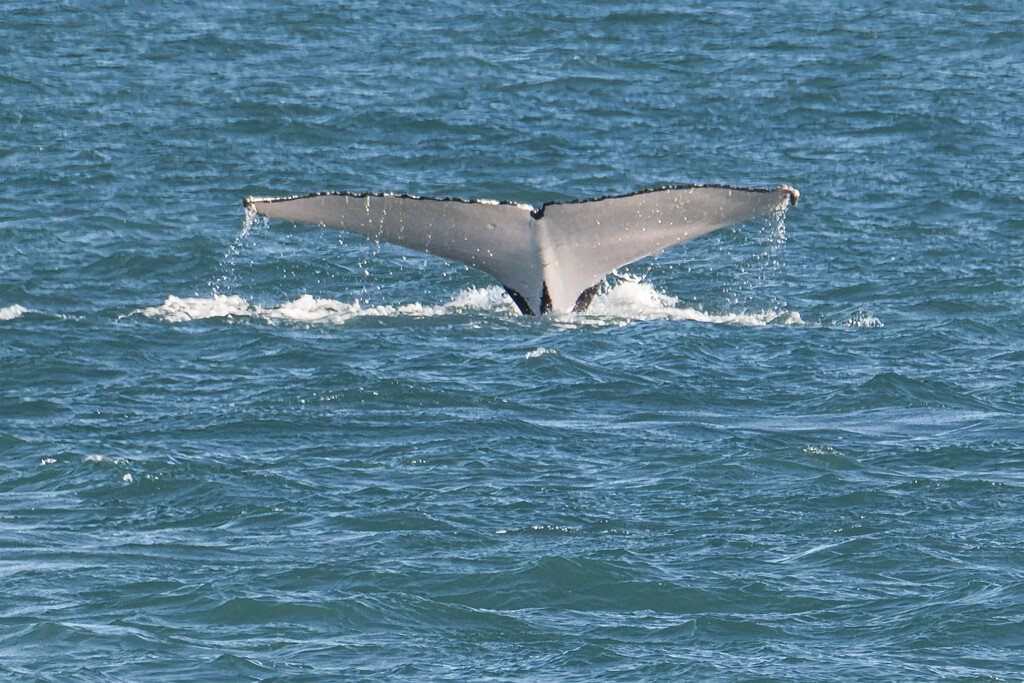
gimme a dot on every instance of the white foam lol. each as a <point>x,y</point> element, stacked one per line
<point>486,299</point>
<point>310,309</point>
<point>12,312</point>
<point>862,319</point>
<point>627,300</point>
<point>633,299</point>
<point>177,310</point>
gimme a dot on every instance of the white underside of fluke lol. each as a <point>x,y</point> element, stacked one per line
<point>551,258</point>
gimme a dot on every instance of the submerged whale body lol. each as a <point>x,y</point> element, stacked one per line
<point>549,259</point>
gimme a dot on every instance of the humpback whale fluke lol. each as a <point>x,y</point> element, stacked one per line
<point>548,259</point>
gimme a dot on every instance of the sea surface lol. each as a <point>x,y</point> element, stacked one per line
<point>233,449</point>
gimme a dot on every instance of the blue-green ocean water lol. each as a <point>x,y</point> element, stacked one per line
<point>231,450</point>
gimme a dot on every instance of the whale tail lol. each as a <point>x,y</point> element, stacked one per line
<point>548,259</point>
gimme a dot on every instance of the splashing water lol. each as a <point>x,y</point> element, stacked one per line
<point>12,312</point>
<point>632,299</point>
<point>628,300</point>
<point>862,319</point>
<point>253,223</point>
<point>310,309</point>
